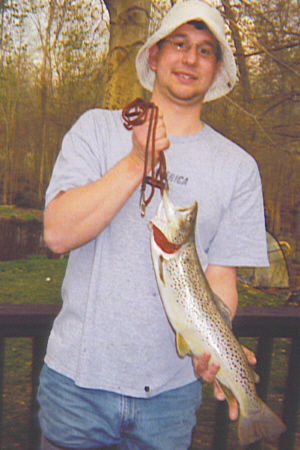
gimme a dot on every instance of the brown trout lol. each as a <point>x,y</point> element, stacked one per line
<point>201,319</point>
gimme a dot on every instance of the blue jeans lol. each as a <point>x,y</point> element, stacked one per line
<point>79,418</point>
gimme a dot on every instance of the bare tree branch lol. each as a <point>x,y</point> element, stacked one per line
<point>273,49</point>
<point>245,81</point>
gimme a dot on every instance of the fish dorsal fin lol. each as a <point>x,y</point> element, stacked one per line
<point>183,347</point>
<point>223,309</point>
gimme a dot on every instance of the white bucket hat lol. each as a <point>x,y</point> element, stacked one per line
<point>179,14</point>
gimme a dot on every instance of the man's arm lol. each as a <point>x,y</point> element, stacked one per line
<point>222,280</point>
<point>76,216</point>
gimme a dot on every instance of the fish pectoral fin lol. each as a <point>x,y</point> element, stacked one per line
<point>223,309</point>
<point>161,269</point>
<point>183,347</point>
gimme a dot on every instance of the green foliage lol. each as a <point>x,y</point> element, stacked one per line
<point>7,211</point>
<point>50,57</point>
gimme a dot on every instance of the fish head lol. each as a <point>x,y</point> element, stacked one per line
<point>172,224</point>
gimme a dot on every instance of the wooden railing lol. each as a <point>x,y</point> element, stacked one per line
<point>35,321</point>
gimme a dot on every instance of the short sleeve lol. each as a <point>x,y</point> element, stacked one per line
<point>79,161</point>
<point>240,239</point>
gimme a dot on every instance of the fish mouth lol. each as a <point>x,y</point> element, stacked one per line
<point>162,241</point>
<point>167,216</point>
<point>159,225</point>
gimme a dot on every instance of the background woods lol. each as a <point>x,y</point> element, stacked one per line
<point>59,58</point>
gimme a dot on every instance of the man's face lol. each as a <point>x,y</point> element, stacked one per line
<point>185,64</point>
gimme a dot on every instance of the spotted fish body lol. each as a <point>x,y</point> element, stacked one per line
<point>201,320</point>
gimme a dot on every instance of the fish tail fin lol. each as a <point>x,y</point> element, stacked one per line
<point>263,423</point>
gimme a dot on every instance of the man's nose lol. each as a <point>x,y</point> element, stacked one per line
<point>190,56</point>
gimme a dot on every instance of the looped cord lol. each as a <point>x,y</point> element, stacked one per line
<point>135,113</point>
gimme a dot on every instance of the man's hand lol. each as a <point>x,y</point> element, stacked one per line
<point>139,139</point>
<point>208,371</point>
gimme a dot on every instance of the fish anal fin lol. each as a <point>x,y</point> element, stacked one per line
<point>256,377</point>
<point>183,347</point>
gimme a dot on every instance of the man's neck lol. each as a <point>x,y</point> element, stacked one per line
<point>180,119</point>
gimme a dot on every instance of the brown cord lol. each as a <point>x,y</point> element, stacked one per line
<point>135,113</point>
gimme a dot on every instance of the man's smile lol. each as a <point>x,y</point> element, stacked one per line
<point>185,75</point>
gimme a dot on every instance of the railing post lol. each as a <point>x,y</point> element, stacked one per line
<point>221,426</point>
<point>38,353</point>
<point>2,350</point>
<point>292,397</point>
<point>263,366</point>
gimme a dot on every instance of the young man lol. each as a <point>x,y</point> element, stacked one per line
<point>112,375</point>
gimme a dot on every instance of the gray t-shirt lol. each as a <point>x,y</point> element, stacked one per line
<point>112,332</point>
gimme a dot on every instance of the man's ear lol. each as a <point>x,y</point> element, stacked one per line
<point>153,52</point>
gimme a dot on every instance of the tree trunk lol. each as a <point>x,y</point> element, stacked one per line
<point>129,21</point>
<point>43,102</point>
<point>244,76</point>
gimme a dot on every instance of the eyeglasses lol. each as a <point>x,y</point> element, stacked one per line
<point>182,45</point>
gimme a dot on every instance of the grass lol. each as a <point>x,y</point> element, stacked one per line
<point>32,280</point>
<point>27,214</point>
<point>38,280</point>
